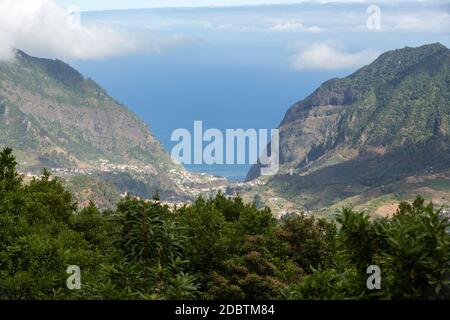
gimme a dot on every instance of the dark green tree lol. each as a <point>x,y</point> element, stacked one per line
<point>9,178</point>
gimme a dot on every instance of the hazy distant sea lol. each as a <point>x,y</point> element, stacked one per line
<point>231,172</point>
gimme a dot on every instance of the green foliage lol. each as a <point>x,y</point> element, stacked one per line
<point>412,249</point>
<point>36,242</point>
<point>358,238</point>
<point>250,275</point>
<point>329,284</point>
<point>219,248</point>
<point>204,226</point>
<point>9,178</point>
<point>417,255</point>
<point>147,261</point>
<point>310,242</point>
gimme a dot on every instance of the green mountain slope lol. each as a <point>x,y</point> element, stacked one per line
<point>58,118</point>
<point>53,117</point>
<point>386,122</point>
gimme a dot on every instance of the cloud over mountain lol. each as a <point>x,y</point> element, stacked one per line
<point>328,56</point>
<point>42,27</point>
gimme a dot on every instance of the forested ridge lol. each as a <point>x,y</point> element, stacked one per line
<point>359,139</point>
<point>217,248</point>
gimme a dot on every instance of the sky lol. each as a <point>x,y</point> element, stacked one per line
<point>231,67</point>
<point>89,5</point>
<point>58,29</point>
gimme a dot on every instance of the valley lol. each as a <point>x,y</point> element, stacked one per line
<point>363,141</point>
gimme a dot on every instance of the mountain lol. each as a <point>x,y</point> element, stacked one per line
<point>53,117</point>
<point>59,118</point>
<point>370,134</point>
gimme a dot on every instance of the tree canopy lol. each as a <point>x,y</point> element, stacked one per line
<point>216,248</point>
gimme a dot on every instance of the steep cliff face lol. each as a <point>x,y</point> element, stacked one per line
<point>385,122</point>
<point>401,99</point>
<point>58,118</point>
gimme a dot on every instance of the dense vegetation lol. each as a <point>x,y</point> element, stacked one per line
<point>220,248</point>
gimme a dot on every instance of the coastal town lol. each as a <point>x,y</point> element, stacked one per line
<point>191,184</point>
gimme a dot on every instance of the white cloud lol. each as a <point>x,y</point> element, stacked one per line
<point>424,22</point>
<point>327,56</point>
<point>293,26</point>
<point>41,27</point>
